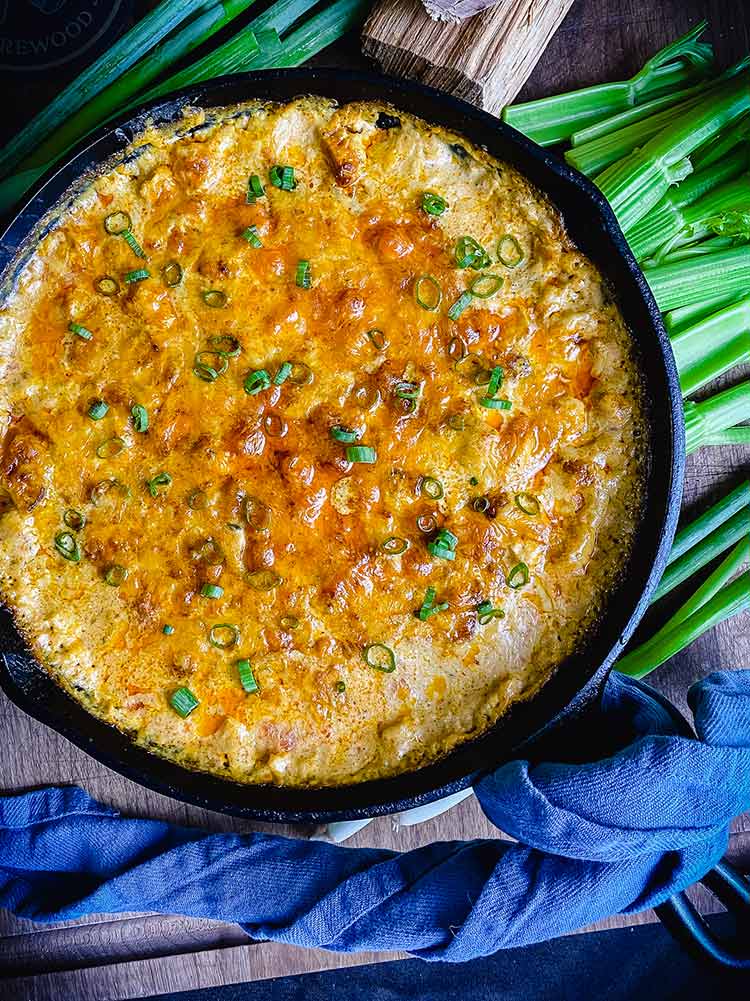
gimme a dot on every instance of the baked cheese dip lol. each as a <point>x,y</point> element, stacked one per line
<point>321,442</point>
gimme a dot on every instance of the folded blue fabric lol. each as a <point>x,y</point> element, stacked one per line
<point>619,834</point>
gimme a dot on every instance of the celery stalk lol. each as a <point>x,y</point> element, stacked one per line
<point>729,601</point>
<point>636,183</point>
<point>730,436</point>
<point>724,410</point>
<point>679,319</point>
<point>716,149</point>
<point>683,207</point>
<point>553,119</point>
<point>715,362</point>
<point>691,534</point>
<point>126,51</point>
<point>713,345</point>
<point>732,531</point>
<point>726,273</point>
<point>698,249</point>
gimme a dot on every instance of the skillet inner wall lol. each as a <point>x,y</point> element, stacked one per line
<point>577,682</point>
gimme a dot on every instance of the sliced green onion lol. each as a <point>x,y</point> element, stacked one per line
<point>171,274</point>
<point>426,524</point>
<point>407,390</point>
<point>139,275</point>
<point>140,417</point>
<point>282,178</point>
<point>214,298</point>
<point>527,503</point>
<point>301,374</point>
<point>97,409</point>
<point>457,422</point>
<point>496,380</point>
<point>509,251</point>
<point>441,551</point>
<point>80,331</point>
<point>470,254</point>
<point>197,500</point>
<point>340,687</point>
<point>211,591</point>
<point>251,235</point>
<point>394,546</point>
<point>361,453</point>
<point>481,504</point>
<point>486,613</point>
<point>100,490</point>
<point>433,204</point>
<point>255,189</point>
<point>378,339</point>
<point>117,223</point>
<point>257,381</point>
<point>289,622</point>
<point>284,369</point>
<point>257,514</point>
<point>224,635</point>
<point>366,396</point>
<point>247,678</point>
<point>347,436</point>
<point>115,575</point>
<point>428,293</point>
<point>208,369</point>
<point>485,286</point>
<point>183,702</point>
<point>303,278</point>
<point>209,551</point>
<point>67,547</point>
<point>473,481</point>
<point>160,480</point>
<point>379,656</point>
<point>428,486</point>
<point>518,576</point>
<point>460,305</point>
<point>167,629</point>
<point>264,580</point>
<point>446,538</point>
<point>107,285</point>
<point>226,345</point>
<point>429,607</point>
<point>74,519</point>
<point>111,447</point>
<point>134,245</point>
<point>457,350</point>
<point>491,404</point>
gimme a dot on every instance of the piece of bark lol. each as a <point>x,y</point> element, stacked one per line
<point>484,59</point>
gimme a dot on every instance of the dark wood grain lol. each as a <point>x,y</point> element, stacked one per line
<point>130,956</point>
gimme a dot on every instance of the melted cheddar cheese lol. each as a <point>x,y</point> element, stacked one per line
<point>236,507</point>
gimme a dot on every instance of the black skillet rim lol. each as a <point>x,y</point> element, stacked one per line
<point>575,687</point>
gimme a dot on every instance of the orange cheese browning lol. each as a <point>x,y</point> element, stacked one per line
<point>258,498</point>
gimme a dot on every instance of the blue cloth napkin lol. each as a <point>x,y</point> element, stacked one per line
<point>619,834</point>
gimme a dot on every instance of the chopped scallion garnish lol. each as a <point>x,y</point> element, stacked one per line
<point>470,254</point>
<point>251,235</point>
<point>107,285</point>
<point>347,436</point>
<point>301,374</point>
<point>80,331</point>
<point>379,656</point>
<point>224,635</point>
<point>209,365</point>
<point>67,547</point>
<point>115,575</point>
<point>167,629</point>
<point>289,622</point>
<point>211,591</point>
<point>134,245</point>
<point>340,687</point>
<point>226,345</point>
<point>214,298</point>
<point>257,381</point>
<point>111,447</point>
<point>257,514</point>
<point>183,702</point>
<point>140,417</point>
<point>518,576</point>
<point>428,293</point>
<point>378,339</point>
<point>460,305</point>
<point>509,251</point>
<point>97,409</point>
<point>283,374</point>
<point>303,278</point>
<point>485,286</point>
<point>255,189</point>
<point>486,613</point>
<point>197,500</point>
<point>361,453</point>
<point>247,678</point>
<point>139,275</point>
<point>440,551</point>
<point>171,274</point>
<point>160,480</point>
<point>433,204</point>
<point>496,380</point>
<point>481,504</point>
<point>428,486</point>
<point>74,519</point>
<point>282,177</point>
<point>490,404</point>
<point>117,223</point>
<point>429,608</point>
<point>527,503</point>
<point>264,580</point>
<point>394,546</point>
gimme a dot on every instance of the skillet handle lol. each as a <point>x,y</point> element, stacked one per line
<point>684,922</point>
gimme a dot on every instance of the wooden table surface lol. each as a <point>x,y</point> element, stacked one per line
<point>127,957</point>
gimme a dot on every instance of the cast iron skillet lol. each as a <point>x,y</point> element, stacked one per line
<point>567,701</point>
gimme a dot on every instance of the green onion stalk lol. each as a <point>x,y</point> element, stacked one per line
<point>636,183</point>
<point>703,421</point>
<point>554,119</point>
<point>111,65</point>
<point>712,346</point>
<point>692,533</point>
<point>707,548</point>
<point>683,211</point>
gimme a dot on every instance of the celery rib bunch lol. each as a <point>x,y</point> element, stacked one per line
<point>143,65</point>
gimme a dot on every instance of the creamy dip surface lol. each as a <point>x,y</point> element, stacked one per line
<point>320,442</point>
